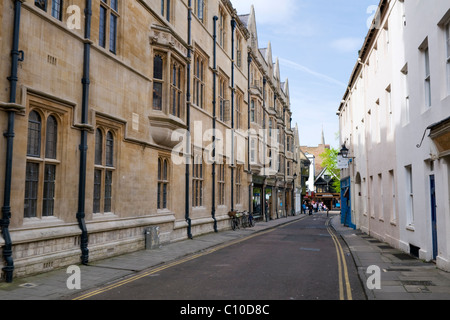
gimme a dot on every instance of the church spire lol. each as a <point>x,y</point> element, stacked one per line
<point>323,137</point>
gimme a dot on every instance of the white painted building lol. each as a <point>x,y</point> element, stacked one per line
<point>395,120</point>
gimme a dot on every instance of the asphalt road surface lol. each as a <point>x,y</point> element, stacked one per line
<point>303,260</point>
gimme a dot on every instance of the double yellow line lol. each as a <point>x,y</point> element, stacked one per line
<point>172,264</point>
<point>342,266</point>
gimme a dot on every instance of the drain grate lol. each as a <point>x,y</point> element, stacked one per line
<point>398,270</point>
<point>28,285</point>
<point>418,283</point>
<point>403,256</point>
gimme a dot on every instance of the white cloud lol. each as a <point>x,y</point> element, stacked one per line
<point>347,45</point>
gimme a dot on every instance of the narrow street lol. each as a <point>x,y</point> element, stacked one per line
<point>303,260</point>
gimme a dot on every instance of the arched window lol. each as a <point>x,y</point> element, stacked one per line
<point>51,138</point>
<point>98,146</point>
<point>109,150</point>
<point>34,135</point>
<point>103,172</point>
<point>163,182</point>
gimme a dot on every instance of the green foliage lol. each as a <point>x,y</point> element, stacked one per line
<point>329,160</point>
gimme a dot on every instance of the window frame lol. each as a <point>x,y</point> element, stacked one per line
<point>163,183</point>
<point>104,170</point>
<point>108,25</point>
<point>199,81</point>
<point>176,89</point>
<point>221,181</point>
<point>197,181</point>
<point>43,187</point>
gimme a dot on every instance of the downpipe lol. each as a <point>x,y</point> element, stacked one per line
<point>233,27</point>
<point>84,239</point>
<point>213,210</point>
<point>16,56</point>
<point>188,122</point>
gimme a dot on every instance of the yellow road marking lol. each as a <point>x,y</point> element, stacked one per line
<point>342,266</point>
<point>175,263</point>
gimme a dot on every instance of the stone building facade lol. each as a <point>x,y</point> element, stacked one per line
<point>121,116</point>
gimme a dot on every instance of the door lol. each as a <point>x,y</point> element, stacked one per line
<point>433,215</point>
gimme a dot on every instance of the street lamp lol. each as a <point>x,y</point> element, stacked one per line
<point>344,151</point>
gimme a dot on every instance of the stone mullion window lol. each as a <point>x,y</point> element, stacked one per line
<point>199,81</point>
<point>221,183</point>
<point>176,85</point>
<point>108,22</point>
<point>103,171</point>
<point>40,175</point>
<point>163,183</point>
<point>197,182</point>
<point>166,9</point>
<point>238,184</point>
<point>158,81</point>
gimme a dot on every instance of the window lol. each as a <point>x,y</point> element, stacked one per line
<point>199,9</point>
<point>197,182</point>
<point>239,100</point>
<point>199,81</point>
<point>239,198</point>
<point>222,28</point>
<point>163,183</point>
<point>406,116</point>
<point>165,9</point>
<point>238,50</point>
<point>108,10</point>
<point>392,191</point>
<point>253,151</point>
<point>40,177</point>
<point>176,85</point>
<point>252,111</point>
<point>57,9</point>
<point>103,171</point>
<point>427,81</point>
<point>157,82</point>
<point>447,39</point>
<point>224,104</point>
<point>409,196</point>
<point>221,182</point>
<point>42,4</point>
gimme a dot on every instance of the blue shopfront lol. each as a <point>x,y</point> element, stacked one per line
<point>346,203</point>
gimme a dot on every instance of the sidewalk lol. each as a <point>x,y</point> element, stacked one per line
<point>403,277</point>
<point>52,285</point>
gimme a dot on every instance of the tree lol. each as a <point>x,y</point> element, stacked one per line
<point>329,160</point>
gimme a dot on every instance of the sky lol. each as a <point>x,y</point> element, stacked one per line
<point>317,44</point>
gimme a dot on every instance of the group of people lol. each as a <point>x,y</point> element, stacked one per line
<point>313,206</point>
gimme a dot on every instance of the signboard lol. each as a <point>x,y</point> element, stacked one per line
<point>342,163</point>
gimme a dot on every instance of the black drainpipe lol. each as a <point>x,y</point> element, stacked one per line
<point>249,62</point>
<point>188,122</point>
<point>84,131</point>
<point>233,26</point>
<point>213,210</point>
<point>9,135</point>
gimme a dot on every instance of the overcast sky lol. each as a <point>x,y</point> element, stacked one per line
<point>317,43</point>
